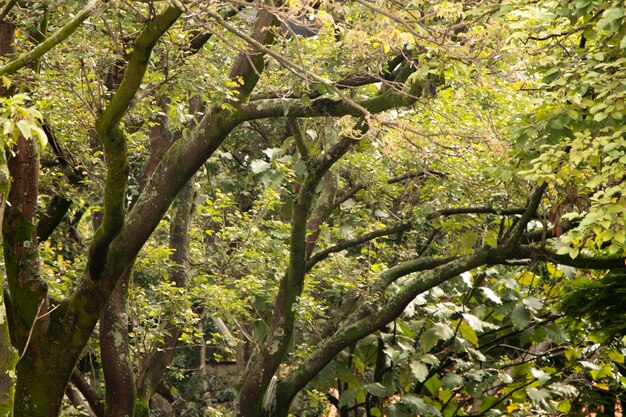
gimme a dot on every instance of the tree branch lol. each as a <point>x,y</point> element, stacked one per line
<point>542,253</point>
<point>346,244</point>
<point>54,39</point>
<point>517,231</point>
<point>114,141</point>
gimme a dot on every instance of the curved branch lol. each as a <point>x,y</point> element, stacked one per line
<point>114,141</point>
<point>402,227</point>
<point>369,319</point>
<point>541,253</point>
<point>54,39</point>
<point>517,231</point>
<point>346,244</point>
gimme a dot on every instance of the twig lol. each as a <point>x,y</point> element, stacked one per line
<point>32,327</point>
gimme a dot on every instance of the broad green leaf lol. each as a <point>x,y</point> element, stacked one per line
<point>377,389</point>
<point>520,317</point>
<point>451,380</point>
<point>419,370</point>
<point>541,376</point>
<point>258,166</point>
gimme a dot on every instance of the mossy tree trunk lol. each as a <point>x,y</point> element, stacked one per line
<point>8,354</point>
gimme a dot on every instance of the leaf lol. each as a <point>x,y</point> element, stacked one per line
<point>476,354</point>
<point>432,385</point>
<point>430,359</point>
<point>377,389</point>
<point>272,152</point>
<point>25,128</point>
<point>419,370</point>
<point>397,410</point>
<point>451,380</point>
<point>538,394</point>
<point>486,404</point>
<point>520,317</point>
<point>468,333</point>
<point>533,303</point>
<point>443,331</point>
<point>590,365</point>
<point>474,322</point>
<point>564,406</point>
<point>349,395</point>
<point>258,166</point>
<point>419,406</point>
<point>541,376</point>
<point>491,295</point>
<point>616,356</point>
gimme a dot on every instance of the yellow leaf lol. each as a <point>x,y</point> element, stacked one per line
<point>603,387</point>
<point>511,408</point>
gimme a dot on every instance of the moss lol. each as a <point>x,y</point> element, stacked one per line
<point>142,407</point>
<point>8,362</point>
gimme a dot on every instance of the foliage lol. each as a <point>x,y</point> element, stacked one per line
<point>302,206</point>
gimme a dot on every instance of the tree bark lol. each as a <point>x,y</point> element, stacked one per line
<point>119,377</point>
<point>8,354</point>
<point>52,352</point>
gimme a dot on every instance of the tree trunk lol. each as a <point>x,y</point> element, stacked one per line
<point>8,354</point>
<point>114,348</point>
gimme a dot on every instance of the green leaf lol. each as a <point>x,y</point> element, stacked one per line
<point>25,128</point>
<point>397,410</point>
<point>468,333</point>
<point>538,394</point>
<point>419,370</point>
<point>520,317</point>
<point>432,385</point>
<point>541,376</point>
<point>564,406</point>
<point>349,395</point>
<point>533,303</point>
<point>419,406</point>
<point>443,331</point>
<point>451,380</point>
<point>258,166</point>
<point>377,389</point>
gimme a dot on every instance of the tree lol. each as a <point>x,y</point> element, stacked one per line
<point>140,76</point>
